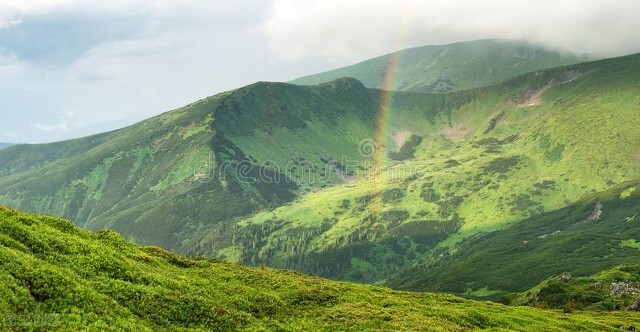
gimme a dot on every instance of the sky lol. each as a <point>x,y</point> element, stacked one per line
<point>70,68</point>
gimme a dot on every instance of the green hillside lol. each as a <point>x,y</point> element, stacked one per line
<point>593,235</point>
<point>162,179</point>
<point>5,145</point>
<point>281,174</point>
<point>443,68</point>
<point>492,162</point>
<point>612,289</point>
<point>56,277</point>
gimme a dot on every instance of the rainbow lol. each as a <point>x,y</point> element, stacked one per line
<point>386,94</point>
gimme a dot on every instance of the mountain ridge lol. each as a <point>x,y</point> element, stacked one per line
<point>545,189</point>
<point>432,68</point>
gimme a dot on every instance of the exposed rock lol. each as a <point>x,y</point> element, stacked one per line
<point>566,276</point>
<point>595,214</point>
<point>571,75</point>
<point>533,97</point>
<point>544,236</point>
<point>597,285</point>
<point>624,289</point>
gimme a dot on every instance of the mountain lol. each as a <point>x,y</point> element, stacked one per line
<point>58,277</point>
<point>495,158</point>
<point>443,68</point>
<point>347,182</point>
<point>162,179</point>
<point>5,145</point>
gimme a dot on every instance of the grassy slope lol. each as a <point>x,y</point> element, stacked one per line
<point>58,277</point>
<point>128,179</point>
<point>513,161</point>
<point>576,239</point>
<point>611,289</point>
<point>113,174</point>
<point>458,66</point>
<point>5,145</point>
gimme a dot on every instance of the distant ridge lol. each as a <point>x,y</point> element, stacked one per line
<point>458,66</point>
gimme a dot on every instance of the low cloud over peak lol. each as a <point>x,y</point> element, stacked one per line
<point>347,31</point>
<point>135,58</point>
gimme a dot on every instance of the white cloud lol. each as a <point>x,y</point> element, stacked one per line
<point>179,51</point>
<point>11,11</point>
<point>348,31</point>
<point>8,135</point>
<point>8,21</point>
<point>29,5</point>
<point>120,7</point>
<point>177,57</point>
<point>63,124</point>
<point>10,66</point>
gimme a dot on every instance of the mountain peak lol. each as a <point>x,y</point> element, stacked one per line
<point>345,82</point>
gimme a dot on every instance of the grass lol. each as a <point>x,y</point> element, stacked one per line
<point>57,277</point>
<point>630,243</point>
